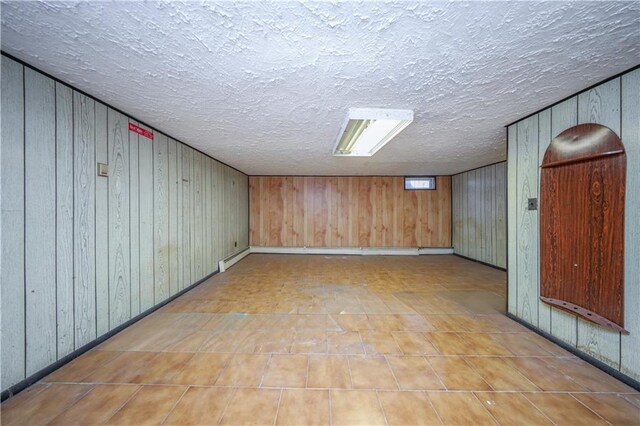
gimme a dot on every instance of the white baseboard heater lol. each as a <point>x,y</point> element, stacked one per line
<point>225,264</point>
<point>361,251</point>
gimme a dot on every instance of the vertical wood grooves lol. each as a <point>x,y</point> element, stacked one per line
<point>346,211</point>
<point>78,249</point>
<point>12,219</point>
<point>616,105</point>
<point>478,211</point>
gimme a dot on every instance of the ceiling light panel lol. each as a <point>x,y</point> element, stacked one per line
<point>366,130</point>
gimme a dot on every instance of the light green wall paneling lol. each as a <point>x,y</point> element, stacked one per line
<point>479,226</point>
<point>64,219</point>
<point>544,139</point>
<point>512,240</point>
<point>630,133</point>
<point>527,220</point>
<point>40,220</point>
<point>119,200</point>
<point>134,218</point>
<point>100,249</point>
<point>615,104</point>
<point>12,222</point>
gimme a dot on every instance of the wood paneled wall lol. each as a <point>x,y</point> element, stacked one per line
<point>82,254</point>
<point>479,214</point>
<point>348,212</point>
<point>615,104</point>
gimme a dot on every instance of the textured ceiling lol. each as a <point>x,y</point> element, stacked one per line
<point>265,86</point>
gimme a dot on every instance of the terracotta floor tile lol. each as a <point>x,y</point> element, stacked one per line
<point>482,344</point>
<point>81,367</point>
<point>149,406</point>
<point>21,399</point>
<point>371,372</point>
<point>511,408</point>
<point>303,407</point>
<point>300,326</point>
<point>200,406</point>
<point>456,374</point>
<point>189,343</point>
<point>309,341</point>
<point>413,343</point>
<point>267,341</point>
<point>413,323</point>
<point>41,403</point>
<point>97,406</point>
<point>587,375</point>
<point>243,370</point>
<point>162,368</point>
<point>542,375</point>
<point>348,322</point>
<point>445,323</point>
<point>356,408</point>
<point>460,409</point>
<point>500,375</point>
<point>224,322</point>
<point>346,342</point>
<point>385,323</point>
<point>160,339</point>
<point>632,398</point>
<point>224,341</point>
<point>408,408</point>
<point>448,343</point>
<point>414,372</point>
<point>495,324</point>
<point>286,371</point>
<point>330,371</point>
<point>563,409</point>
<point>252,407</point>
<point>613,408</point>
<point>201,369</point>
<point>549,346</point>
<point>379,342</point>
<point>520,344</point>
<point>122,369</point>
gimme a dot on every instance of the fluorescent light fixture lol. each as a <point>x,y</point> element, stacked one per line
<point>366,130</point>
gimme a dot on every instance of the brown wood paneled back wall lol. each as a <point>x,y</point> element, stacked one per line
<point>362,211</point>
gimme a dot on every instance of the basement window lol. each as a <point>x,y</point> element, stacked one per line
<point>420,182</point>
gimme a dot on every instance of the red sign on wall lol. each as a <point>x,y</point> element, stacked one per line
<point>139,130</point>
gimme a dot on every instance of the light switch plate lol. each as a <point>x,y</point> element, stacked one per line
<point>103,169</point>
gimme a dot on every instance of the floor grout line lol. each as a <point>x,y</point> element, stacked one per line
<point>124,403</point>
<point>589,408</point>
<point>173,407</point>
<point>374,322</point>
<point>224,410</point>
<point>275,419</point>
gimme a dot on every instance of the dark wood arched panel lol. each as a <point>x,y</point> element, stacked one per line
<point>582,193</point>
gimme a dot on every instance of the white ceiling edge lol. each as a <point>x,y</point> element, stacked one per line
<point>264,87</point>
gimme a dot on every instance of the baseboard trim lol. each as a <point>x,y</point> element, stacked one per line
<point>22,385</point>
<point>481,262</point>
<point>629,381</point>
<point>227,263</point>
<point>355,251</point>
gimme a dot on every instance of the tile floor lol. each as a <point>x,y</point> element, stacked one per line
<point>331,340</point>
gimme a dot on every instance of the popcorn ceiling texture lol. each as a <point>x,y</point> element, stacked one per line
<point>265,86</point>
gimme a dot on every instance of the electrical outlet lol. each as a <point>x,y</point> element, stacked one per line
<point>103,169</point>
